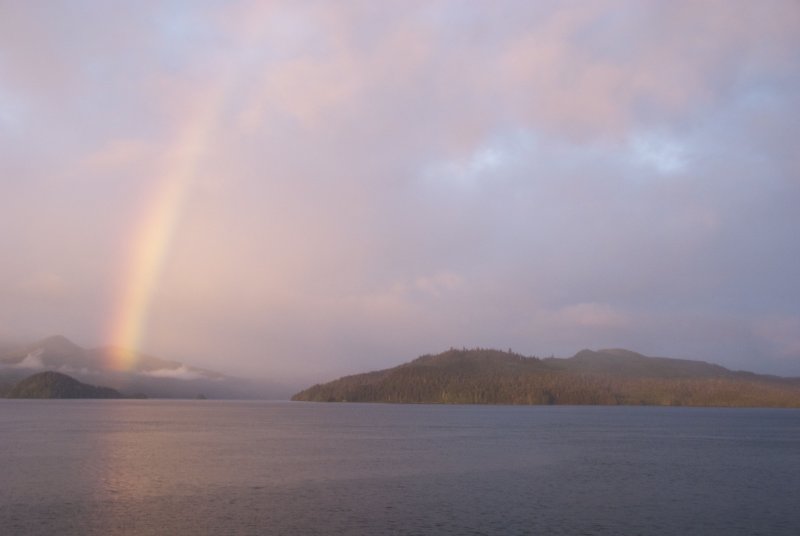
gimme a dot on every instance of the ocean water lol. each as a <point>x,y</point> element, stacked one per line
<point>212,467</point>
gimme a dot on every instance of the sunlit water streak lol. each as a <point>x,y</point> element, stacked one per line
<point>160,467</point>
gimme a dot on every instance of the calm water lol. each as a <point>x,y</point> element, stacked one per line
<point>157,467</point>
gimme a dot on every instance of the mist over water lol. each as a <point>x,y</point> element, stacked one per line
<point>168,467</point>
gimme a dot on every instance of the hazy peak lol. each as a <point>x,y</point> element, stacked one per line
<point>57,352</point>
<point>59,344</point>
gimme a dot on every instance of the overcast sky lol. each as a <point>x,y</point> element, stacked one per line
<point>308,189</point>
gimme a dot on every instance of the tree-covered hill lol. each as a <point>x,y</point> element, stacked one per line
<point>606,377</point>
<point>56,385</point>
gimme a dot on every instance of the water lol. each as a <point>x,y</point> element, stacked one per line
<point>207,467</point>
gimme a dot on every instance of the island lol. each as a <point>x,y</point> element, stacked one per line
<point>57,385</point>
<point>604,377</point>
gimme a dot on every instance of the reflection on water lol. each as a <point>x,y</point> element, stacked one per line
<point>202,467</point>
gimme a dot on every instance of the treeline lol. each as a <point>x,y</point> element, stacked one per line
<point>56,385</point>
<point>491,377</point>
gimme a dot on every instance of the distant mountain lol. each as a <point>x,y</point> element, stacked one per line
<point>58,352</point>
<point>605,377</point>
<point>149,375</point>
<point>57,385</point>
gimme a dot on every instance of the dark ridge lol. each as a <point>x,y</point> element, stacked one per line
<point>56,385</point>
<point>606,377</point>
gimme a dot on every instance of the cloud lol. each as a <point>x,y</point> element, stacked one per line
<point>181,373</point>
<point>377,182</point>
<point>116,154</point>
<point>43,285</point>
<point>32,360</point>
<point>666,156</point>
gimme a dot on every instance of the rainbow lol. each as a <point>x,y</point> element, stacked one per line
<point>155,229</point>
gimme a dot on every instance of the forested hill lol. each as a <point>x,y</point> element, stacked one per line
<point>57,385</point>
<point>605,377</point>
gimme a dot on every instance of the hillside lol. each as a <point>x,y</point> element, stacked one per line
<point>57,385</point>
<point>605,377</point>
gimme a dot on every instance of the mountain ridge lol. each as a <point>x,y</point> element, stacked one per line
<point>56,351</point>
<point>49,384</point>
<point>603,377</point>
<point>149,375</point>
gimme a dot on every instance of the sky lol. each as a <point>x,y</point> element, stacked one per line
<point>310,189</point>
